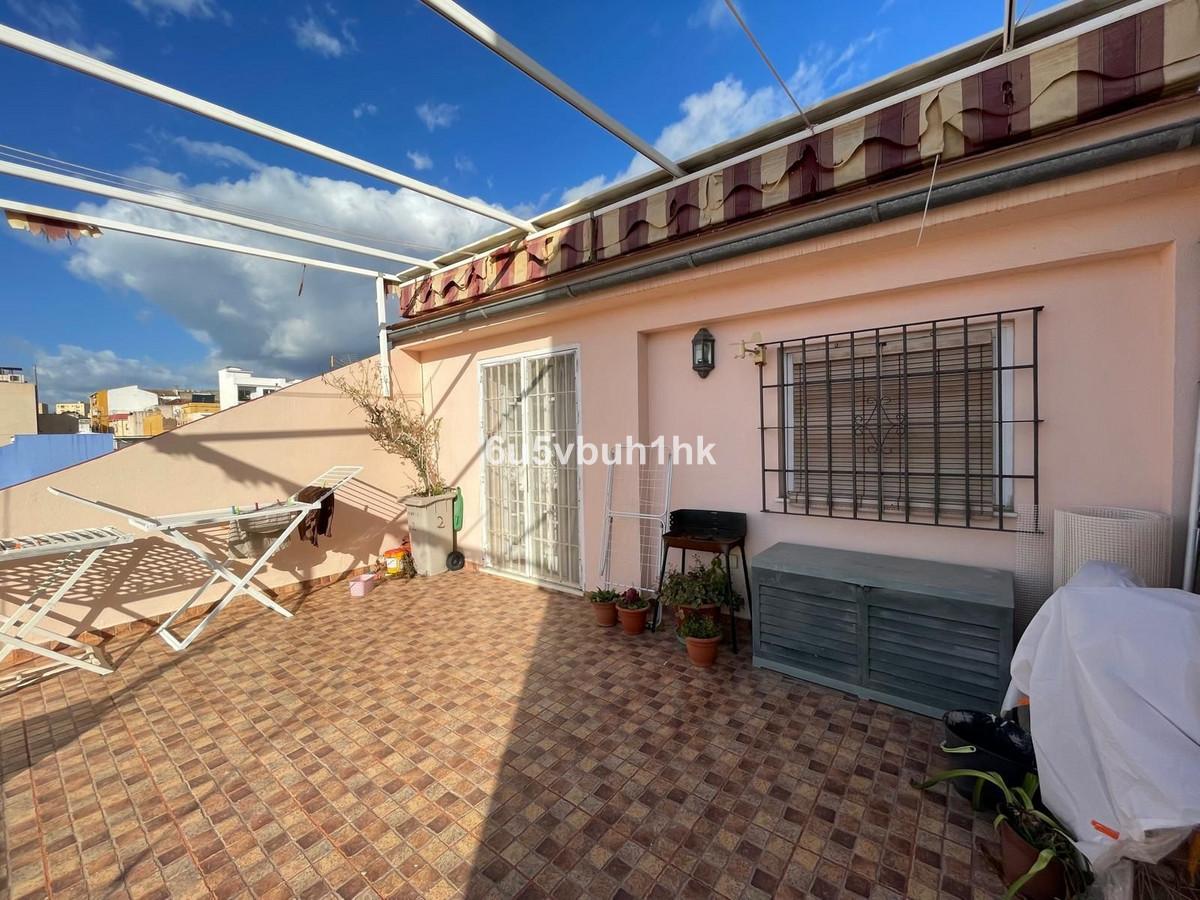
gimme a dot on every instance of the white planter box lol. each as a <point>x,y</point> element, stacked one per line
<point>431,527</point>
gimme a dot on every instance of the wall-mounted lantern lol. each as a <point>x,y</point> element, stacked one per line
<point>704,350</point>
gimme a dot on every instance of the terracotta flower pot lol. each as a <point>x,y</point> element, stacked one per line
<point>633,621</point>
<point>703,651</point>
<point>606,614</point>
<point>1017,856</point>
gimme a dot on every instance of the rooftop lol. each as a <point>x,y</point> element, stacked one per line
<point>432,745</point>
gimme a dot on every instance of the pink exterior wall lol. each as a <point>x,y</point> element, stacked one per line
<point>1111,255</point>
<point>260,451</point>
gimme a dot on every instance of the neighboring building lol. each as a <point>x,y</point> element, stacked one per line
<point>57,423</point>
<point>191,412</point>
<point>239,385</point>
<point>18,404</point>
<point>34,455</point>
<point>74,408</point>
<point>143,423</point>
<point>110,401</point>
<point>132,412</point>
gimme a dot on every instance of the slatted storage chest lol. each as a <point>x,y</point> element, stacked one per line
<point>920,635</point>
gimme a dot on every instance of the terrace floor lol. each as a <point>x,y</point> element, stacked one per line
<point>465,736</point>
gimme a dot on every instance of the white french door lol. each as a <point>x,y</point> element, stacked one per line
<point>530,418</point>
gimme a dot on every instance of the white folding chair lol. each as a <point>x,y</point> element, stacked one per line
<point>22,630</point>
<point>173,526</point>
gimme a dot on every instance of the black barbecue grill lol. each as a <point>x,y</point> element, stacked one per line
<point>709,531</point>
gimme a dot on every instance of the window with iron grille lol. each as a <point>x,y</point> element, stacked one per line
<point>931,422</point>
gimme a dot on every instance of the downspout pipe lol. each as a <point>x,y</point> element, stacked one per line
<point>1143,145</point>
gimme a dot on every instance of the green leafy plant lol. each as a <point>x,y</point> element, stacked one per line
<point>699,627</point>
<point>1038,829</point>
<point>702,586</point>
<point>632,599</point>
<point>603,595</point>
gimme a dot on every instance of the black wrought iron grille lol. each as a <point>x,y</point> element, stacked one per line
<point>931,422</point>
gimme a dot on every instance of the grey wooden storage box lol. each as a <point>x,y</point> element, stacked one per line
<point>920,635</point>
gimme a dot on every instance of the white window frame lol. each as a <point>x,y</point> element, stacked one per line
<point>558,350</point>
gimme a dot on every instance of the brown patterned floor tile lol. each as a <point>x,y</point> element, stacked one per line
<point>566,761</point>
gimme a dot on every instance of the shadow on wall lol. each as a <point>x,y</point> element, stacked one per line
<point>259,452</point>
<point>152,568</point>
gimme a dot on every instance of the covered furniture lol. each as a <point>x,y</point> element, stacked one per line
<point>1111,670</point>
<point>21,630</point>
<point>709,531</point>
<point>289,514</point>
<point>924,636</point>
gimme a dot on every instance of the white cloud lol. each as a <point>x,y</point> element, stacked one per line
<point>464,164</point>
<point>324,39</point>
<point>62,22</point>
<point>724,111</point>
<point>364,109</point>
<point>711,14</point>
<point>437,115</point>
<point>421,161</point>
<point>823,71</point>
<point>245,310</point>
<point>163,11</point>
<point>72,373</point>
<point>221,154</point>
<point>729,109</point>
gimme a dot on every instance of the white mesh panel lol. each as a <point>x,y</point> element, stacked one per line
<point>1136,538</point>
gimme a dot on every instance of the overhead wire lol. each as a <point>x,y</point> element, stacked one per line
<point>767,60</point>
<point>56,164</point>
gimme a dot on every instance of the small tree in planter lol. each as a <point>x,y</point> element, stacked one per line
<point>632,609</point>
<point>703,638</point>
<point>604,605</point>
<point>398,424</point>
<point>1038,855</point>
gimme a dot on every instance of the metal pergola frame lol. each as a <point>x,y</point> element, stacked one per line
<point>506,50</point>
<point>80,62</point>
<point>170,204</point>
<point>67,217</point>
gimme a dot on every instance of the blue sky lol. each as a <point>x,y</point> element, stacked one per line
<point>394,83</point>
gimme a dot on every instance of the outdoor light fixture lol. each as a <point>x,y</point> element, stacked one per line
<point>704,348</point>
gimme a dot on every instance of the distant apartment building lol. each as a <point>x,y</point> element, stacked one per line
<point>239,385</point>
<point>71,408</point>
<point>18,404</point>
<point>133,413</point>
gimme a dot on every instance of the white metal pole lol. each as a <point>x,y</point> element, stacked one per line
<point>1193,535</point>
<point>479,30</point>
<point>201,212</point>
<point>385,366</point>
<point>80,62</point>
<point>113,225</point>
<point>1010,25</point>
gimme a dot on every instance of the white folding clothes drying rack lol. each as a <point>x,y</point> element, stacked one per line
<point>173,526</point>
<point>22,630</point>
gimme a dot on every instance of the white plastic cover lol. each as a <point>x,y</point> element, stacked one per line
<point>1113,680</point>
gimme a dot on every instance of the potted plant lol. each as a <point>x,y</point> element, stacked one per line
<point>700,592</point>
<point>703,637</point>
<point>604,605</point>
<point>399,425</point>
<point>688,594</point>
<point>1038,857</point>
<point>631,609</point>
